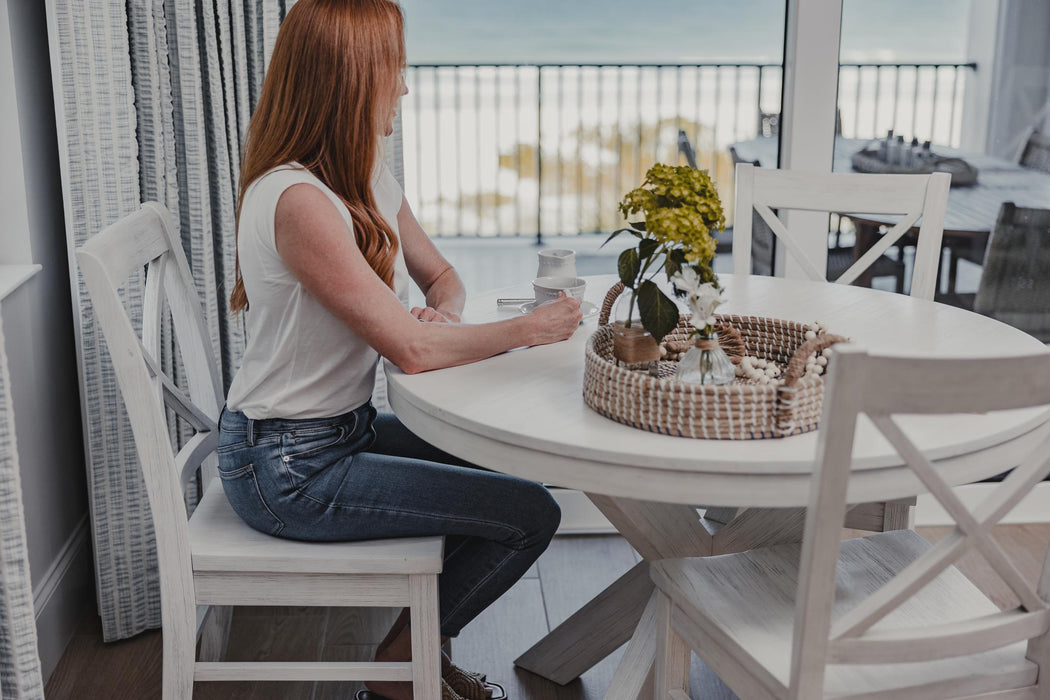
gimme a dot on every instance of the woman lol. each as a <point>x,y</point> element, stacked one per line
<point>326,246</point>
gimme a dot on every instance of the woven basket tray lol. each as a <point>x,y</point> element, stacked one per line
<point>739,411</point>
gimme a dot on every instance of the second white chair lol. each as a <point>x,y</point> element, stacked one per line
<point>911,196</point>
<point>884,617</point>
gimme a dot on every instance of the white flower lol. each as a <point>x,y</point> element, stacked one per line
<point>703,301</point>
<point>686,280</point>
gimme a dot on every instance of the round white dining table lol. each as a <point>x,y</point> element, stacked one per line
<point>523,413</point>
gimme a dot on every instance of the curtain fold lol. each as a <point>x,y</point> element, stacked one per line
<point>153,100</point>
<point>97,125</point>
<point>154,97</point>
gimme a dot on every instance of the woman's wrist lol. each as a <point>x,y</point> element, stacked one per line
<point>449,312</point>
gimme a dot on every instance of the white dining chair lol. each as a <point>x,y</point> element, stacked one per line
<point>764,190</point>
<point>888,615</point>
<point>212,558</point>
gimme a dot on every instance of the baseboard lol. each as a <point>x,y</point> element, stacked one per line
<point>580,517</point>
<point>62,595</point>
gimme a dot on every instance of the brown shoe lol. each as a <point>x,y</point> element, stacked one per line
<point>447,693</point>
<point>472,685</point>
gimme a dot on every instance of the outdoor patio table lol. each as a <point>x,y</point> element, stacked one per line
<point>523,413</point>
<point>972,211</point>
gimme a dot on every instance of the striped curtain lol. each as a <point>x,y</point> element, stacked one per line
<point>19,663</point>
<point>153,100</point>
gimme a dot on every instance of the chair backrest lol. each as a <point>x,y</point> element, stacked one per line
<point>147,241</point>
<point>686,149</point>
<point>883,388</point>
<point>913,196</point>
<point>1036,153</point>
<point>1015,282</point>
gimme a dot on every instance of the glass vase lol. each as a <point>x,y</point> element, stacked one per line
<point>706,363</point>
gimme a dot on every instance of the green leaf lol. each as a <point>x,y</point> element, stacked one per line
<point>646,248</point>
<point>659,314</point>
<point>614,234</point>
<point>674,262</point>
<point>640,225</point>
<point>628,266</point>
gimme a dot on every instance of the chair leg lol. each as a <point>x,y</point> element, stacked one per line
<point>672,655</point>
<point>426,636</point>
<point>180,644</point>
<point>215,633</point>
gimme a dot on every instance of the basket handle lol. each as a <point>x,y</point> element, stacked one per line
<point>797,364</point>
<point>610,298</point>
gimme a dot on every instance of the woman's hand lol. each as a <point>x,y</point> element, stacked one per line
<point>555,320</point>
<point>431,315</point>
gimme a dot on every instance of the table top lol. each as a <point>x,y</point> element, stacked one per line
<point>523,412</point>
<point>970,209</point>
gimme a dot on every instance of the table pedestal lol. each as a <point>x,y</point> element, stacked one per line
<point>625,611</point>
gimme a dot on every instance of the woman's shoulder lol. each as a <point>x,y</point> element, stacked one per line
<point>272,183</point>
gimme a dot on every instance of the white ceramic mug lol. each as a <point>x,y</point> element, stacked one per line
<point>548,288</point>
<point>557,262</point>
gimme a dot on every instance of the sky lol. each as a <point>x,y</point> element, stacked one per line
<point>610,31</point>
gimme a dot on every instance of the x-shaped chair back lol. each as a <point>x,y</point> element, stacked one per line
<point>882,388</point>
<point>911,196</point>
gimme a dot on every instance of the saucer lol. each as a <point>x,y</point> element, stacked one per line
<point>586,308</point>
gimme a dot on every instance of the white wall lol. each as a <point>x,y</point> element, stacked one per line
<point>38,325</point>
<point>1021,82</point>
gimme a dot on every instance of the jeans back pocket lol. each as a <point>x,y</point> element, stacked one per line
<point>242,491</point>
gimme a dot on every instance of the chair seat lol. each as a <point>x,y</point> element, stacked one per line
<point>220,541</point>
<point>748,600</point>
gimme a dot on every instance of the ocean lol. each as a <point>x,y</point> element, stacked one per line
<point>478,31</point>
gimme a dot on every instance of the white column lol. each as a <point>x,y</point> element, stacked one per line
<point>807,132</point>
<point>981,48</point>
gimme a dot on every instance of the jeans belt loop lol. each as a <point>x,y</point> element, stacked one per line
<point>251,432</point>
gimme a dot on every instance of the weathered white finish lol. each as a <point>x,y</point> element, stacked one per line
<point>523,412</point>
<point>886,615</point>
<point>541,429</point>
<point>673,655</point>
<point>594,631</point>
<point>221,541</point>
<point>303,671</point>
<point>913,196</point>
<point>635,668</point>
<point>213,558</point>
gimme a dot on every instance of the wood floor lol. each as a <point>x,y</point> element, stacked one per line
<point>566,576</point>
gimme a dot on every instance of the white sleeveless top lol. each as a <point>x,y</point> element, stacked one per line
<point>300,361</point>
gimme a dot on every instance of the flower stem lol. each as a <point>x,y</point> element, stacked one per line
<point>662,250</point>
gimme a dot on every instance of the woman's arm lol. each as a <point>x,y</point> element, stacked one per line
<point>434,275</point>
<point>319,249</point>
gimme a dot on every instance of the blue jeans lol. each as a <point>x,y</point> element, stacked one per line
<point>363,476</point>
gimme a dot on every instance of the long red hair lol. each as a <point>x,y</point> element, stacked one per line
<point>334,74</point>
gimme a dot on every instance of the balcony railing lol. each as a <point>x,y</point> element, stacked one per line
<point>533,149</point>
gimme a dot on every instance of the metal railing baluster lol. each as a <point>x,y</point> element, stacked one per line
<point>539,155</point>
<point>477,151</point>
<point>580,150</point>
<point>954,104</point>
